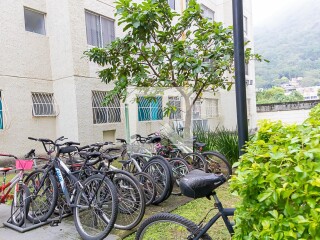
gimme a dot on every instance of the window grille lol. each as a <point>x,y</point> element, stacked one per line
<point>150,109</point>
<point>176,102</point>
<point>100,30</point>
<point>207,13</point>
<point>212,109</point>
<point>109,113</point>
<point>43,105</point>
<point>34,21</point>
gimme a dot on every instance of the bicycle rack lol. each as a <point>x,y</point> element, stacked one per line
<point>54,221</point>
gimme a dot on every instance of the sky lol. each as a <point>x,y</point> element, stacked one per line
<point>263,10</point>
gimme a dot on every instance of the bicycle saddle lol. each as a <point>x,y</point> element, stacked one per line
<point>4,169</point>
<point>199,144</point>
<point>89,155</point>
<point>198,184</point>
<point>155,139</point>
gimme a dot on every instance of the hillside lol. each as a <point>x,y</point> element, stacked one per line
<point>291,42</point>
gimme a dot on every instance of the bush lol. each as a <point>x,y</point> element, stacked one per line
<point>278,180</point>
<point>221,140</point>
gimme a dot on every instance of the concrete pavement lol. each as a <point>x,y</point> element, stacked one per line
<point>64,231</point>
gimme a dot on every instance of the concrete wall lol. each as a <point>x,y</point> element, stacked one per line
<point>274,107</point>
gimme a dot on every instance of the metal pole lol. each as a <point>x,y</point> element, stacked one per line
<point>239,63</point>
<point>126,112</point>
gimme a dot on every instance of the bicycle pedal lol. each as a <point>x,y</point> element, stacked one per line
<point>55,222</point>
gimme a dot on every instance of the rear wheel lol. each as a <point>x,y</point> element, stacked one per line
<point>180,168</point>
<point>168,226</point>
<point>20,204</point>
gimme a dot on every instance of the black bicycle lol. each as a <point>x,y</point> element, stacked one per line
<point>196,184</point>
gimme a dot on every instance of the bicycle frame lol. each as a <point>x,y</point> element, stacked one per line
<point>223,212</point>
<point>9,186</point>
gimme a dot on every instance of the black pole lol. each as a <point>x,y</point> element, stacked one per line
<point>239,63</point>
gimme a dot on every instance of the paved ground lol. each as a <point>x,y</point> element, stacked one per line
<point>65,230</point>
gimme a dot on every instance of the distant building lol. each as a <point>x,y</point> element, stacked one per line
<point>309,93</point>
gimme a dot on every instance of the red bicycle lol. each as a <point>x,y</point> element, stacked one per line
<point>16,190</point>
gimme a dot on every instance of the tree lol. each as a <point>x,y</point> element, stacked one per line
<point>277,95</point>
<point>164,49</point>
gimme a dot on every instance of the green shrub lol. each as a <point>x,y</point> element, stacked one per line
<point>220,140</point>
<point>278,180</point>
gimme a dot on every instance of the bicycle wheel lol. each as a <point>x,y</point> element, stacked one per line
<point>148,186</point>
<point>20,204</point>
<point>43,196</point>
<point>180,168</point>
<point>96,207</point>
<point>131,200</point>
<point>217,163</point>
<point>197,161</point>
<point>168,226</point>
<point>160,170</point>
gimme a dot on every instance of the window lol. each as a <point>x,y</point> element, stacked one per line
<point>109,113</point>
<point>43,104</point>
<point>176,102</point>
<point>172,4</point>
<point>207,13</point>
<point>245,25</point>
<point>150,109</point>
<point>34,21</point>
<point>196,111</point>
<point>212,108</point>
<point>246,69</point>
<point>1,113</point>
<point>100,30</point>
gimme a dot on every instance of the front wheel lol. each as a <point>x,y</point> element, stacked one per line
<point>96,207</point>
<point>168,226</point>
<point>20,204</point>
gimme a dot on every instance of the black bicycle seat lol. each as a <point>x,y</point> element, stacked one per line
<point>154,139</point>
<point>89,155</point>
<point>68,149</point>
<point>198,184</point>
<point>199,144</point>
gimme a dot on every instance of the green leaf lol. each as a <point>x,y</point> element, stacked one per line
<point>264,196</point>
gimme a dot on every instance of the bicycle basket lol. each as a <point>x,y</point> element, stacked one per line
<point>24,164</point>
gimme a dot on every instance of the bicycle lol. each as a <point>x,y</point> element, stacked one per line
<point>196,184</point>
<point>94,201</point>
<point>21,194</point>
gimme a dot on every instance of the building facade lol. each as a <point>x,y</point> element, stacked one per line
<point>48,89</point>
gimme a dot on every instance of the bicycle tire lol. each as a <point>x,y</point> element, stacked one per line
<point>148,185</point>
<point>49,186</point>
<point>197,161</point>
<point>167,219</point>
<point>97,189</point>
<point>218,163</point>
<point>179,168</point>
<point>20,205</point>
<point>131,200</point>
<point>160,170</point>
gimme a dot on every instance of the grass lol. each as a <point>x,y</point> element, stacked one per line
<point>197,209</point>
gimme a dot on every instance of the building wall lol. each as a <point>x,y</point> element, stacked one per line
<point>54,63</point>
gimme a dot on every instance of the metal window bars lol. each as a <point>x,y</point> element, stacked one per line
<point>150,109</point>
<point>102,113</point>
<point>176,102</point>
<point>43,104</point>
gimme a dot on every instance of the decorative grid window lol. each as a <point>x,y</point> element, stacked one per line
<point>150,109</point>
<point>109,113</point>
<point>207,13</point>
<point>196,111</point>
<point>176,102</point>
<point>245,25</point>
<point>34,21</point>
<point>100,30</point>
<point>172,4</point>
<point>43,105</point>
<point>1,113</point>
<point>212,109</point>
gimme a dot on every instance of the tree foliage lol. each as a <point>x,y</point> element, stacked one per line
<point>277,95</point>
<point>164,49</point>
